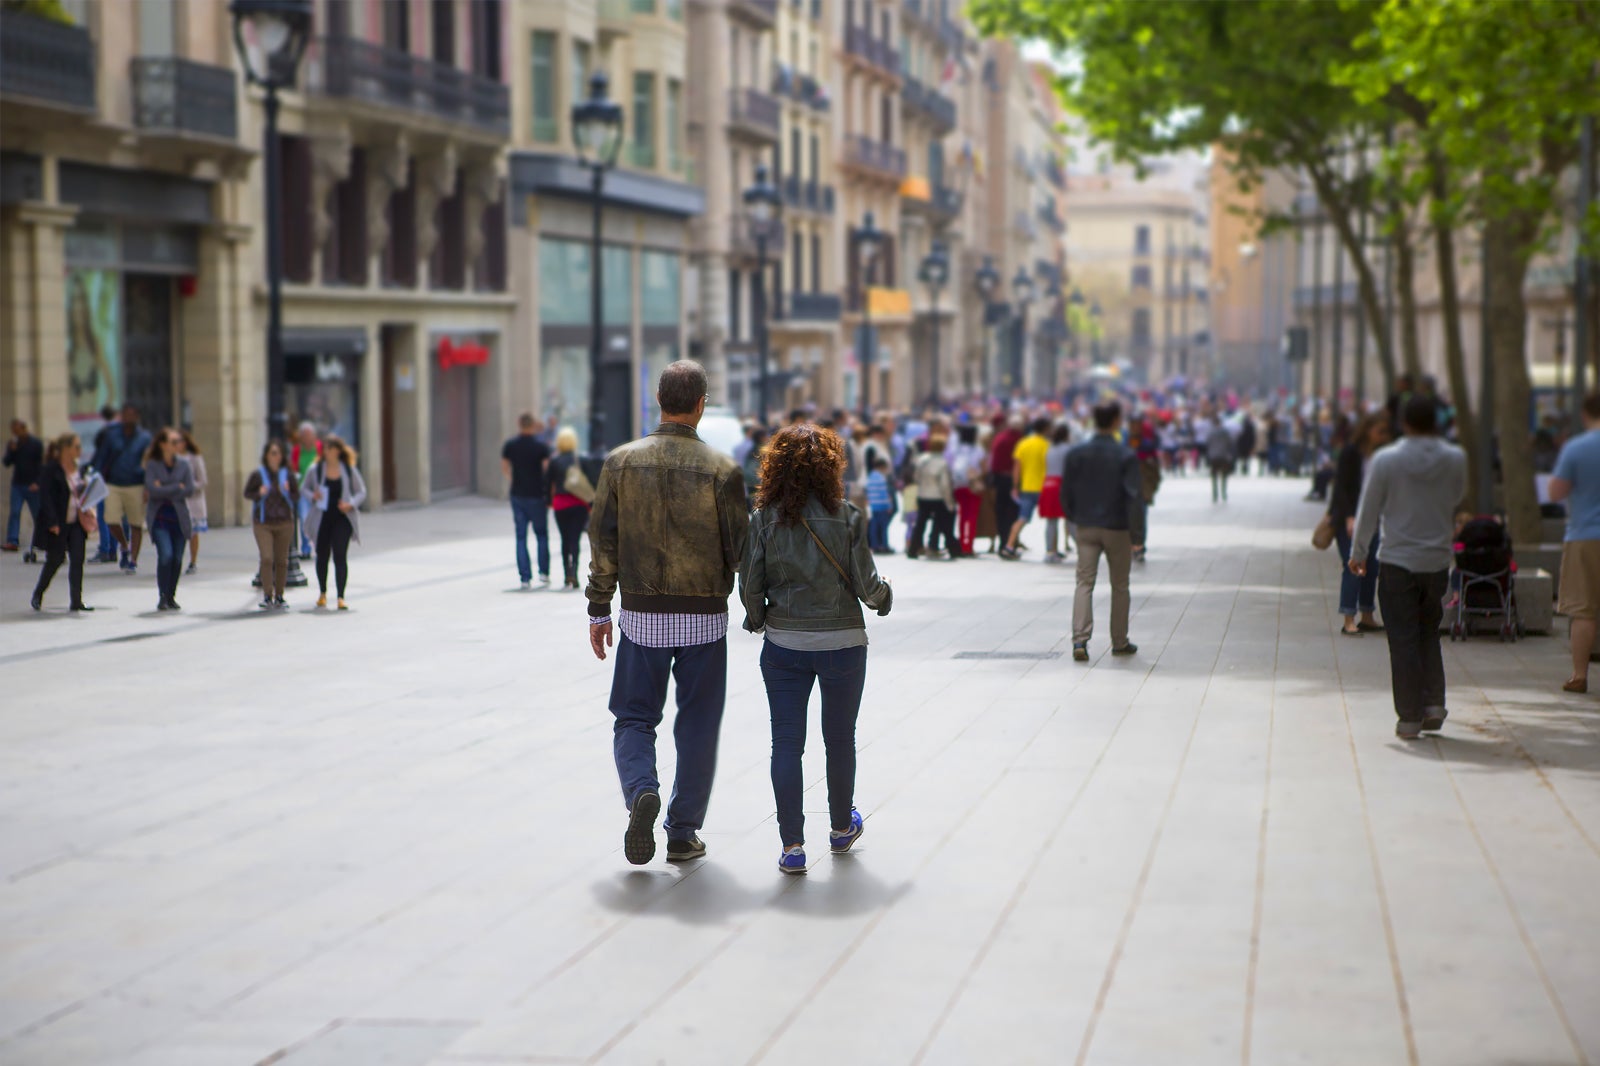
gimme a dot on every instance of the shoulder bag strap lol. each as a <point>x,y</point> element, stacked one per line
<point>844,576</point>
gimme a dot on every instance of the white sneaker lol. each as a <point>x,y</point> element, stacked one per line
<point>526,585</point>
<point>544,581</point>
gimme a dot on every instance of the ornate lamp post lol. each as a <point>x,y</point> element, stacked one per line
<point>986,281</point>
<point>271,37</point>
<point>934,272</point>
<point>1022,293</point>
<point>868,240</point>
<point>761,203</point>
<point>597,136</point>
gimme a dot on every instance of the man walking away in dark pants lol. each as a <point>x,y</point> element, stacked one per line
<point>668,531</point>
<point>523,461</point>
<point>1102,493</point>
<point>1413,488</point>
<point>25,456</point>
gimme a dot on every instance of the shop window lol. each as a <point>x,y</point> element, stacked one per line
<point>400,254</point>
<point>563,282</point>
<point>658,289</point>
<point>448,266</point>
<point>294,218</point>
<point>344,256</point>
<point>616,284</point>
<point>489,273</point>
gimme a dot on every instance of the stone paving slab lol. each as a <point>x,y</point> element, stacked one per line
<point>393,835</point>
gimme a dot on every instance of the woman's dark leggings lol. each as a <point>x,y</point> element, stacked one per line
<point>333,538</point>
<point>571,521</point>
<point>72,552</point>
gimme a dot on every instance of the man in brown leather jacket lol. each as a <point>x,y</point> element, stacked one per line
<point>668,531</point>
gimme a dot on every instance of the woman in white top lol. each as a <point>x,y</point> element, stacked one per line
<point>197,501</point>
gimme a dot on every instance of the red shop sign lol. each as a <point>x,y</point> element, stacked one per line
<point>465,353</point>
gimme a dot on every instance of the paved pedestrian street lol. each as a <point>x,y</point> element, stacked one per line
<point>394,835</point>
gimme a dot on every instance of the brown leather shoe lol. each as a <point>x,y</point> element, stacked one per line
<point>1577,684</point>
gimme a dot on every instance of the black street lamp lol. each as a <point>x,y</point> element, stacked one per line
<point>271,37</point>
<point>986,280</point>
<point>934,272</point>
<point>868,239</point>
<point>597,136</point>
<point>1022,293</point>
<point>761,204</point>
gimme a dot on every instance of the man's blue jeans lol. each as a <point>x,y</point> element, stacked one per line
<point>638,697</point>
<point>108,545</point>
<point>789,676</point>
<point>531,511</point>
<point>21,496</point>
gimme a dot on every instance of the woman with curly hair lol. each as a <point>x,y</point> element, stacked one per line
<point>808,568</point>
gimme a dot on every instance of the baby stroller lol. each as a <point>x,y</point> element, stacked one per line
<point>1485,579</point>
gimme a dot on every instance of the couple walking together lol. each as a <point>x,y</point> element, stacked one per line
<point>669,529</point>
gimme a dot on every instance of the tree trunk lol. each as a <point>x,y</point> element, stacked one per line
<point>1406,284</point>
<point>1339,213</point>
<point>1507,245</point>
<point>1455,358</point>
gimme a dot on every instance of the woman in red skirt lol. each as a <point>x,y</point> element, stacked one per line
<point>1055,464</point>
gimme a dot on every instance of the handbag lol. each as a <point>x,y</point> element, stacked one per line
<point>1322,536</point>
<point>576,483</point>
<point>829,555</point>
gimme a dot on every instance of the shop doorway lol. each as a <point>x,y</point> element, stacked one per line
<point>454,407</point>
<point>147,347</point>
<point>389,342</point>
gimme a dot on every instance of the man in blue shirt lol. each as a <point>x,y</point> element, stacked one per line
<point>120,459</point>
<point>1577,482</point>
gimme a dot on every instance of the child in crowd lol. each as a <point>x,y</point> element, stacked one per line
<point>881,505</point>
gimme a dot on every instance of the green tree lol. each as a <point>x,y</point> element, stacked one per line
<point>1497,89</point>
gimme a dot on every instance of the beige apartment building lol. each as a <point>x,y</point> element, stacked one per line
<point>649,203</point>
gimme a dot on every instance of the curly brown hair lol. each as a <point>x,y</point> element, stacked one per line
<point>800,462</point>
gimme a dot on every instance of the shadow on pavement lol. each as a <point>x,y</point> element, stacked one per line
<point>1565,742</point>
<point>702,894</point>
<point>850,889</point>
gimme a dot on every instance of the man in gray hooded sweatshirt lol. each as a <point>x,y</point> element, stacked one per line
<point>1414,488</point>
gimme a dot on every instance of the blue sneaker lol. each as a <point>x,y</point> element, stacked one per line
<point>793,860</point>
<point>842,842</point>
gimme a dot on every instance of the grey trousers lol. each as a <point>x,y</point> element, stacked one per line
<point>1117,546</point>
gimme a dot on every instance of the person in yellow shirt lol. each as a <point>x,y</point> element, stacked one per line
<point>1030,470</point>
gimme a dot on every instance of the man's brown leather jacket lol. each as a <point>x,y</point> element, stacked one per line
<point>668,526</point>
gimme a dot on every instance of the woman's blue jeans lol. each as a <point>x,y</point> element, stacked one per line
<point>789,676</point>
<point>169,542</point>
<point>1357,594</point>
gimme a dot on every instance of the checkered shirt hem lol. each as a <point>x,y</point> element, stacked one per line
<point>650,630</point>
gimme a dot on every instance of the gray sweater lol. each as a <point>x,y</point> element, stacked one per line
<point>174,486</point>
<point>1414,486</point>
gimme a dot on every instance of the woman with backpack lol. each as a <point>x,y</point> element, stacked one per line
<point>274,494</point>
<point>571,494</point>
<point>336,492</point>
<point>807,571</point>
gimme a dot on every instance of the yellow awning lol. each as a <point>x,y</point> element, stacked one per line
<point>888,302</point>
<point>915,187</point>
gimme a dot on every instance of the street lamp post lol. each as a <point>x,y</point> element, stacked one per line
<point>1022,293</point>
<point>868,239</point>
<point>986,280</point>
<point>271,37</point>
<point>761,202</point>
<point>597,136</point>
<point>934,272</point>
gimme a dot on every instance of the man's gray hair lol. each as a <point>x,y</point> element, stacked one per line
<point>308,427</point>
<point>682,386</point>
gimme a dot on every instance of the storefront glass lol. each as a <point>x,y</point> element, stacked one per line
<point>325,390</point>
<point>616,280</point>
<point>94,346</point>
<point>564,373</point>
<point>658,288</point>
<point>563,282</point>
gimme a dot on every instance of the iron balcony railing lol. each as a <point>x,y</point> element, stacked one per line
<point>367,71</point>
<point>46,61</point>
<point>813,307</point>
<point>936,106</point>
<point>754,108</point>
<point>880,53</point>
<point>946,200</point>
<point>184,96</point>
<point>763,11</point>
<point>1048,215</point>
<point>864,151</point>
<point>1053,172</point>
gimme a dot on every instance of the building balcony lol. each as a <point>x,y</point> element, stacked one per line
<point>757,14</point>
<point>1054,174</point>
<point>616,19</point>
<point>809,196</point>
<point>754,114</point>
<point>952,38</point>
<point>929,104</point>
<point>361,70</point>
<point>873,51</point>
<point>1048,215</point>
<point>183,97</point>
<point>824,308</point>
<point>939,202</point>
<point>46,62</point>
<point>1024,226</point>
<point>876,157</point>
